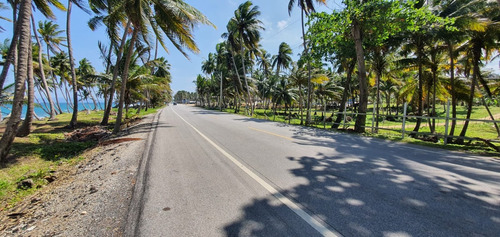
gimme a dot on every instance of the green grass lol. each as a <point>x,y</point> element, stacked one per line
<point>45,150</point>
<point>475,129</point>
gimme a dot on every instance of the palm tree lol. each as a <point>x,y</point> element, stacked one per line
<point>175,19</point>
<point>283,93</point>
<point>246,27</point>
<point>61,68</point>
<point>85,73</point>
<point>50,34</point>
<point>325,91</point>
<point>306,7</point>
<point>74,117</point>
<point>25,128</point>
<point>23,33</point>
<point>45,85</point>
<point>283,58</point>
<point>44,8</point>
<point>299,78</point>
<point>483,35</point>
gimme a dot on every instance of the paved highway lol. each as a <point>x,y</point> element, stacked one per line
<point>217,174</point>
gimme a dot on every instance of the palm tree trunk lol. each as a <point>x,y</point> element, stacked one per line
<point>301,104</point>
<point>420,96</point>
<point>378,100</point>
<point>52,114</point>
<point>476,71</point>
<point>309,89</point>
<point>249,99</point>
<point>11,54</point>
<point>345,95</point>
<point>105,117</point>
<point>44,103</point>
<point>25,128</point>
<point>359,126</point>
<point>24,35</point>
<point>74,118</point>
<point>453,92</point>
<point>124,81</point>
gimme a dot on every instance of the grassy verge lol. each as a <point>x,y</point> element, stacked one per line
<point>45,152</point>
<point>475,129</point>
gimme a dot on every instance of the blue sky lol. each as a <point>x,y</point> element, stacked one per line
<point>280,27</point>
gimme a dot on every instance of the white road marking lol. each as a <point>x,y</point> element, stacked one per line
<point>318,225</point>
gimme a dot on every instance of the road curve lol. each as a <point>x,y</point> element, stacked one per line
<point>217,174</point>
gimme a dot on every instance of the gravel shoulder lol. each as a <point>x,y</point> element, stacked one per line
<point>89,198</point>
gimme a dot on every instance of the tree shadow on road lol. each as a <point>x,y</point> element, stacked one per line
<point>369,187</point>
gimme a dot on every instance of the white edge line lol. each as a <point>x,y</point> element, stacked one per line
<point>314,223</point>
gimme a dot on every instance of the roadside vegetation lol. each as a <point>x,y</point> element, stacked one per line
<point>47,74</point>
<point>46,154</point>
<point>367,59</point>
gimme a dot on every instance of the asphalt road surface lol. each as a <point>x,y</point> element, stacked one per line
<point>217,174</point>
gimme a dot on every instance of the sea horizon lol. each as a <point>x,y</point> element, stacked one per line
<point>40,112</point>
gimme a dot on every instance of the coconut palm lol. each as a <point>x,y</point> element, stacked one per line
<point>175,19</point>
<point>299,78</point>
<point>44,8</point>
<point>283,93</point>
<point>45,85</point>
<point>246,28</point>
<point>306,7</point>
<point>50,34</point>
<point>24,47</point>
<point>283,59</point>
<point>326,91</point>
<point>483,35</point>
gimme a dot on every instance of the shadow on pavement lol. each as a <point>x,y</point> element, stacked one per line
<point>371,187</point>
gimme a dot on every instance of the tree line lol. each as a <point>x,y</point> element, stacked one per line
<point>390,52</point>
<point>41,57</point>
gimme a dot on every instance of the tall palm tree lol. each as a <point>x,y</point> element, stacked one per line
<point>50,34</point>
<point>283,59</point>
<point>483,36</point>
<point>45,85</point>
<point>306,7</point>
<point>44,8</point>
<point>79,3</point>
<point>23,33</point>
<point>175,19</point>
<point>246,27</point>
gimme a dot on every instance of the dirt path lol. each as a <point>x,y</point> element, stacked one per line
<point>90,198</point>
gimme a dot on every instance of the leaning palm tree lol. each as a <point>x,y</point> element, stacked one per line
<point>306,7</point>
<point>23,33</point>
<point>246,27</point>
<point>283,59</point>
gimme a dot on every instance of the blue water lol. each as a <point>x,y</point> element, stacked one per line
<point>40,113</point>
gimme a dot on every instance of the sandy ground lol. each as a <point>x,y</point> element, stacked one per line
<point>88,199</point>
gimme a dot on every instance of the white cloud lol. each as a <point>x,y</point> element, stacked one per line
<point>282,24</point>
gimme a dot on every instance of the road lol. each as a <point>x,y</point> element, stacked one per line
<point>217,174</point>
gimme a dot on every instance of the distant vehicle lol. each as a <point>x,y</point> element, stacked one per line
<point>175,103</point>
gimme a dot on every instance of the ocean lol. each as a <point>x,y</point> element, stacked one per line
<point>6,109</point>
